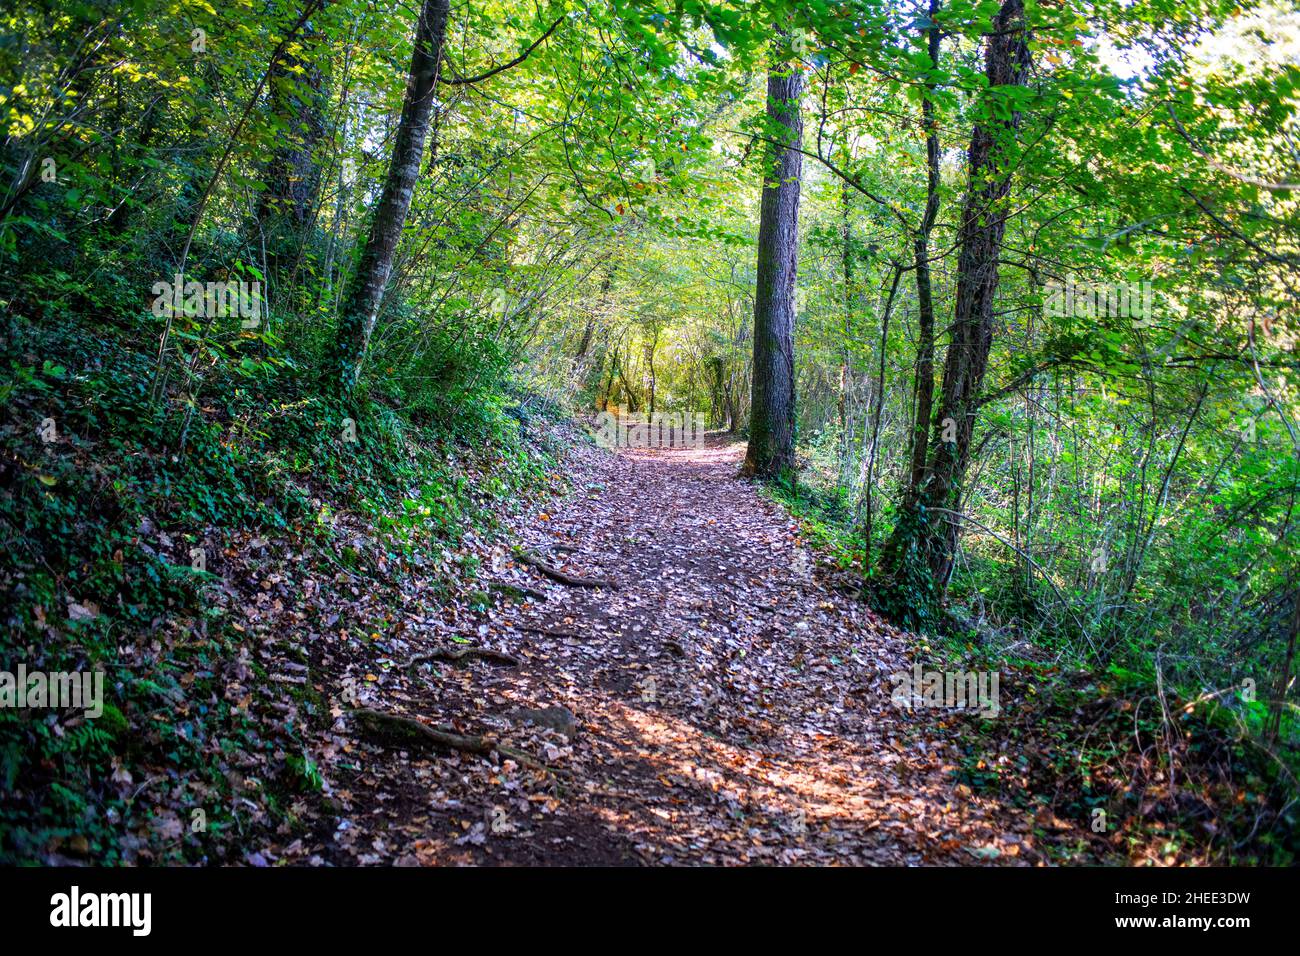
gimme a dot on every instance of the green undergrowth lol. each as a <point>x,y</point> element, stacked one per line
<point>1111,760</point>
<point>121,513</point>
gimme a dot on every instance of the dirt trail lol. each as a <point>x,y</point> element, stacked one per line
<point>731,707</point>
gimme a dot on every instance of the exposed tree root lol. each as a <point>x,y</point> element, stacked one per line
<point>458,655</point>
<point>408,730</point>
<point>563,577</point>
<point>515,590</point>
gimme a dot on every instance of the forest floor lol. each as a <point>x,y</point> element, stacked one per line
<point>719,701</point>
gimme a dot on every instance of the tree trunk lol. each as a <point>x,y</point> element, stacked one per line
<point>651,346</point>
<point>921,534</point>
<point>875,413</point>
<point>293,173</point>
<point>924,293</point>
<point>1284,678</point>
<point>771,429</point>
<point>845,354</point>
<point>366,289</point>
<point>584,343</point>
<point>608,392</point>
<point>632,404</point>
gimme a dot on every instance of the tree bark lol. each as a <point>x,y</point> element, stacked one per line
<point>365,292</point>
<point>846,373</point>
<point>771,431</point>
<point>921,257</point>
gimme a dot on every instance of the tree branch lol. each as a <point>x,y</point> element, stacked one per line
<point>465,80</point>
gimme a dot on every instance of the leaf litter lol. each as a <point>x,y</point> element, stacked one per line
<point>718,702</point>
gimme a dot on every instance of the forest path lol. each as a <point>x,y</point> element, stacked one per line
<point>731,707</point>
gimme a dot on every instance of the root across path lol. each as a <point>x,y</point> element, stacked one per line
<point>723,705</point>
